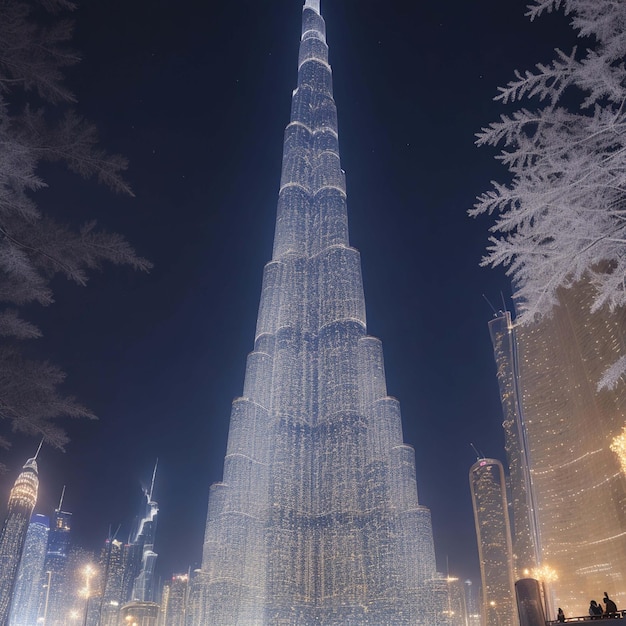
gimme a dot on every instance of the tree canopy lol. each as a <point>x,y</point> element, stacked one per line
<point>39,123</point>
<point>562,214</point>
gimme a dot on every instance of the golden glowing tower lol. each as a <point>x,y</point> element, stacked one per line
<point>574,441</point>
<point>495,549</point>
<point>21,504</point>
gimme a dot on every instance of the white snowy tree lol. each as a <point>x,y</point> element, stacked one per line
<point>37,124</point>
<point>562,214</point>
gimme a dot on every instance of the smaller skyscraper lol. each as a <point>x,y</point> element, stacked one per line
<point>177,600</point>
<point>55,597</point>
<point>22,501</point>
<point>26,593</point>
<point>112,571</point>
<point>495,551</point>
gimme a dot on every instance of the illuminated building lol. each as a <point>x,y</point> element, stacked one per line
<point>495,550</point>
<point>317,519</point>
<point>571,434</point>
<point>78,562</point>
<point>143,587</point>
<point>177,600</point>
<point>55,600</point>
<point>524,530</point>
<point>22,501</point>
<point>112,568</point>
<point>26,594</point>
<point>457,605</point>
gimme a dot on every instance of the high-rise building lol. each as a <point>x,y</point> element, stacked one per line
<point>79,585</point>
<point>25,601</point>
<point>111,566</point>
<point>567,433</point>
<point>54,597</point>
<point>524,527</point>
<point>495,550</point>
<point>143,586</point>
<point>317,519</point>
<point>177,601</point>
<point>22,501</point>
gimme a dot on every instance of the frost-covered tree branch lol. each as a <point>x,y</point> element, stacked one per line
<point>38,124</point>
<point>562,215</point>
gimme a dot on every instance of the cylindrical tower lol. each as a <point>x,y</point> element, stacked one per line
<point>21,504</point>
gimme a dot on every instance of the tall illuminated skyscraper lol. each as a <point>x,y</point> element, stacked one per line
<point>317,520</point>
<point>111,568</point>
<point>495,549</point>
<point>568,435</point>
<point>143,587</point>
<point>55,596</point>
<point>22,501</point>
<point>27,590</point>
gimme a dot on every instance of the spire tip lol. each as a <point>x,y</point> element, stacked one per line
<point>313,4</point>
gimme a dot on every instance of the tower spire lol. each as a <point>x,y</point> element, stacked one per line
<point>38,449</point>
<point>153,479</point>
<point>61,500</point>
<point>313,4</point>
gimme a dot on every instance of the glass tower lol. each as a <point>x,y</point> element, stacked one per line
<point>495,550</point>
<point>27,591</point>
<point>570,437</point>
<point>317,519</point>
<point>22,501</point>
<point>54,599</point>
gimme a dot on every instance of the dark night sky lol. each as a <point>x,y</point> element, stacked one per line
<point>197,95</point>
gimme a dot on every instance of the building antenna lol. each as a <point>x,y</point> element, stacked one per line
<point>38,449</point>
<point>153,479</point>
<point>503,302</point>
<point>61,500</point>
<point>491,305</point>
<point>479,455</point>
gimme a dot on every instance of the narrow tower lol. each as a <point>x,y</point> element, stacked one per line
<point>57,595</point>
<point>22,501</point>
<point>143,588</point>
<point>30,573</point>
<point>317,519</point>
<point>495,548</point>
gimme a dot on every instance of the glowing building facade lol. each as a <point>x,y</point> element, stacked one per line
<point>27,590</point>
<point>317,519</point>
<point>56,595</point>
<point>495,549</point>
<point>143,586</point>
<point>22,501</point>
<point>570,433</point>
<point>177,601</point>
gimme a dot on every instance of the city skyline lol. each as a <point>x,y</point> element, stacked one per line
<point>115,368</point>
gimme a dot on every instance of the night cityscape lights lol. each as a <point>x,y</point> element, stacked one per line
<point>618,445</point>
<point>565,447</point>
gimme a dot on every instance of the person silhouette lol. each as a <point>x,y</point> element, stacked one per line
<point>611,607</point>
<point>595,611</point>
<point>560,616</point>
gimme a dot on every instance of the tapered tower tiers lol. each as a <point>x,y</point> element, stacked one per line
<point>317,519</point>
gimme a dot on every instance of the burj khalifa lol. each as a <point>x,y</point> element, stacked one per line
<point>317,518</point>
